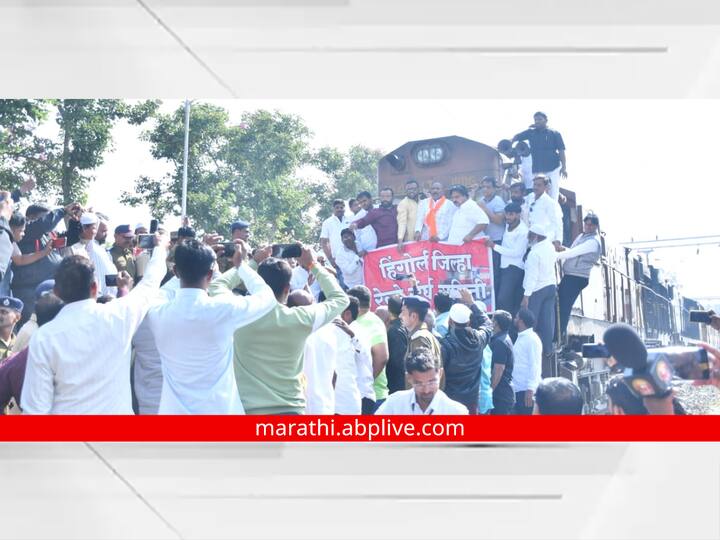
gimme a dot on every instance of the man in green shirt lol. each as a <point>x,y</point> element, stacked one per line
<point>371,329</point>
<point>268,352</point>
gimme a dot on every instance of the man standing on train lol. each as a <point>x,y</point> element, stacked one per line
<point>541,289</point>
<point>366,238</point>
<point>579,261</point>
<point>382,219</point>
<point>542,209</point>
<point>512,264</point>
<point>469,221</point>
<point>548,151</point>
<point>434,216</point>
<point>494,207</point>
<point>407,211</point>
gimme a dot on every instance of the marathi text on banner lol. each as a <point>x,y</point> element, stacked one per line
<point>437,267</point>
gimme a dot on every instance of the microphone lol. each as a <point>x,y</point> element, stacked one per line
<point>624,344</point>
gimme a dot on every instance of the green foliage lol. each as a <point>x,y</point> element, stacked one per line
<point>350,174</point>
<point>24,154</point>
<point>259,171</point>
<point>265,153</point>
<point>210,198</point>
<point>61,168</point>
<point>85,134</point>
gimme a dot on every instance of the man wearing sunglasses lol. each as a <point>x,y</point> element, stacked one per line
<point>424,397</point>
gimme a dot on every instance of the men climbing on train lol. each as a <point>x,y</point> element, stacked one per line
<point>579,260</point>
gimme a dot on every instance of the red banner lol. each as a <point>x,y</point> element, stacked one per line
<point>438,267</point>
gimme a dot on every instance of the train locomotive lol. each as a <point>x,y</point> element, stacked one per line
<point>623,287</point>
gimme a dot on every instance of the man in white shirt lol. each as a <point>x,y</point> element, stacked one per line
<point>88,247</point>
<point>425,397</point>
<point>147,367</point>
<point>194,332</point>
<point>319,357</point>
<point>544,210</point>
<point>512,266</point>
<point>469,221</point>
<point>434,216</point>
<point>79,363</point>
<point>494,207</point>
<point>353,366</point>
<point>330,240</point>
<point>579,262</point>
<point>366,237</point>
<point>349,261</point>
<point>301,279</point>
<point>540,289</point>
<point>527,355</point>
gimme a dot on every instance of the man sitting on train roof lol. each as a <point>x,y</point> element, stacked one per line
<point>548,151</point>
<point>434,216</point>
<point>407,214</point>
<point>383,219</point>
<point>579,261</point>
<point>469,221</point>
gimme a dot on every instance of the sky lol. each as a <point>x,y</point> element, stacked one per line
<point>644,166</point>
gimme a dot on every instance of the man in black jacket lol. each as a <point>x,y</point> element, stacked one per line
<point>397,346</point>
<point>40,221</point>
<point>462,351</point>
<point>502,364</point>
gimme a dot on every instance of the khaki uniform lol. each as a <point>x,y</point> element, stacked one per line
<point>124,261</point>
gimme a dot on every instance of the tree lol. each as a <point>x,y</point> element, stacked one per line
<point>61,168</point>
<point>85,134</point>
<point>266,152</point>
<point>22,152</point>
<point>260,170</point>
<point>210,194</point>
<point>350,173</point>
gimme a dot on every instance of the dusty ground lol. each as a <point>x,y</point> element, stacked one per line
<point>699,399</point>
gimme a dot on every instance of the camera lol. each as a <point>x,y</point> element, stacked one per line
<point>229,249</point>
<point>111,280</point>
<point>700,316</point>
<point>648,373</point>
<point>287,251</point>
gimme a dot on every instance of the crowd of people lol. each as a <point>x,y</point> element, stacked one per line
<point>194,324</point>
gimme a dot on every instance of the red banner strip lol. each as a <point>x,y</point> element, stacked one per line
<point>360,428</point>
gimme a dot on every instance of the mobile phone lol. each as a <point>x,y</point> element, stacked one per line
<point>287,251</point>
<point>153,226</point>
<point>173,236</point>
<point>402,277</point>
<point>59,242</point>
<point>146,241</point>
<point>229,249</point>
<point>689,363</point>
<point>595,350</point>
<point>111,280</point>
<point>700,316</point>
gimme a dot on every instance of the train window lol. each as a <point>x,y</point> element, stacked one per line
<point>429,154</point>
